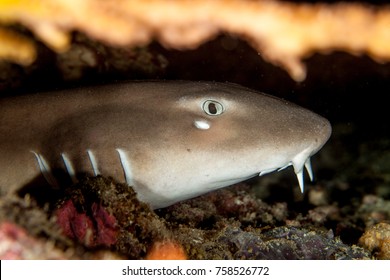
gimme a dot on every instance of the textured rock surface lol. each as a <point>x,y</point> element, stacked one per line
<point>377,239</point>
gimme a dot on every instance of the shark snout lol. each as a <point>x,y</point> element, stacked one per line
<point>298,141</point>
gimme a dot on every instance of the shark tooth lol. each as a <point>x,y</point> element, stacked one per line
<point>298,164</point>
<point>299,175</point>
<point>46,170</point>
<point>309,169</point>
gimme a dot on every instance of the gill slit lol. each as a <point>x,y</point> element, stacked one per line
<point>93,161</point>
<point>45,169</point>
<point>69,168</point>
<point>126,167</point>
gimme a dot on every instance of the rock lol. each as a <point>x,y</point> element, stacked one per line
<point>377,240</point>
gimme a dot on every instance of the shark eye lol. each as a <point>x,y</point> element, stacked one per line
<point>212,107</point>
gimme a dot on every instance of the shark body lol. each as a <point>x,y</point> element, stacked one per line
<point>171,141</point>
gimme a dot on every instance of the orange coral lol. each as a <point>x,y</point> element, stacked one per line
<point>282,32</point>
<point>166,250</point>
<point>16,47</point>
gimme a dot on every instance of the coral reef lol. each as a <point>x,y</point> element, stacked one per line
<point>283,33</point>
<point>28,232</point>
<point>98,213</point>
<point>16,244</point>
<point>16,47</point>
<point>377,239</point>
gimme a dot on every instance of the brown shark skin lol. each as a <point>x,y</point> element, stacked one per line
<point>153,124</point>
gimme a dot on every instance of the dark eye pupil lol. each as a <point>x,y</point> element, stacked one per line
<point>212,108</point>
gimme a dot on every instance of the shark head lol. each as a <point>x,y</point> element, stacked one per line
<point>216,135</point>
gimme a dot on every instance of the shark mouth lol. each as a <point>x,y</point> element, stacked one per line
<point>299,163</point>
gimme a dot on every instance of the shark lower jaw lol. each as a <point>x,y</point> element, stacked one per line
<point>299,164</point>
